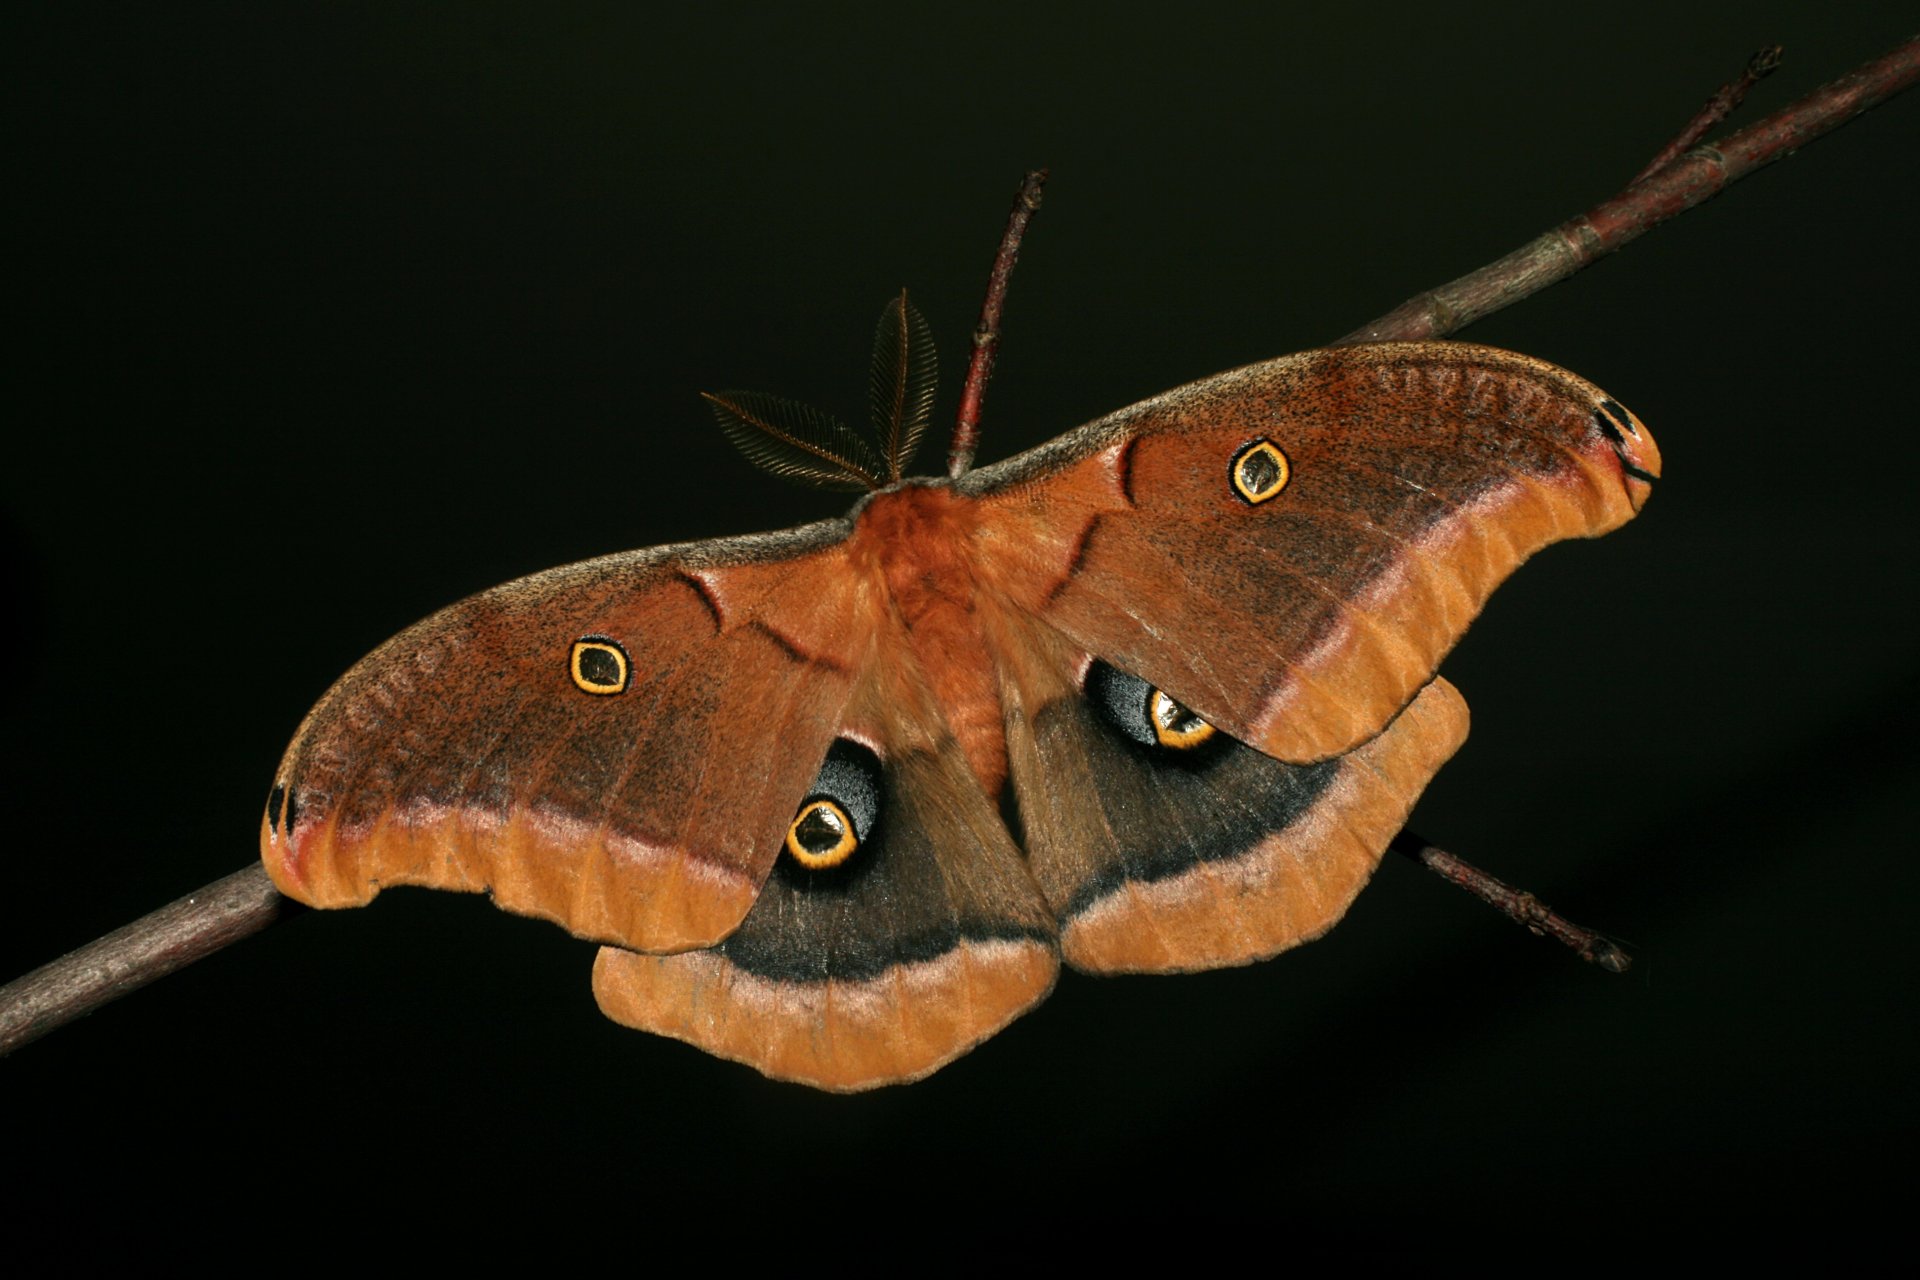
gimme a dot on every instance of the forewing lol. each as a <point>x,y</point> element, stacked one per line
<point>1407,480</point>
<point>615,746</point>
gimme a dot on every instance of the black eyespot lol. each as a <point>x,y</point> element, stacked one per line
<point>599,665</point>
<point>841,809</point>
<point>1174,725</point>
<point>822,836</point>
<point>1143,713</point>
<point>1259,472</point>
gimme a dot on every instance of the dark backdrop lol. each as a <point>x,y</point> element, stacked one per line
<point>328,318</point>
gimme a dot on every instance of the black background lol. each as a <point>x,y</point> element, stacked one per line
<point>328,318</point>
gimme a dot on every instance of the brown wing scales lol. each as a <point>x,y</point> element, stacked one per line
<point>1421,475</point>
<point>1283,622</point>
<point>1159,859</point>
<point>926,940</point>
<point>462,756</point>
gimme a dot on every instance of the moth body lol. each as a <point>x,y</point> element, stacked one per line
<point>1191,648</point>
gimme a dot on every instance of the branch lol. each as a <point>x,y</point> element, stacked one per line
<point>1518,906</point>
<point>986,334</point>
<point>129,958</point>
<point>246,902</point>
<point>1649,201</point>
<point>1717,108</point>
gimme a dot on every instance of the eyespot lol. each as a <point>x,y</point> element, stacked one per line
<point>1259,472</point>
<point>841,810</point>
<point>822,836</point>
<point>1143,713</point>
<point>599,665</point>
<point>1174,725</point>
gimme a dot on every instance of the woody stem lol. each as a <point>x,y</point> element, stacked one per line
<point>1519,906</point>
<point>1648,201</point>
<point>986,334</point>
<point>130,957</point>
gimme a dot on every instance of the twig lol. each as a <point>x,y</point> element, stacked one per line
<point>1699,175</point>
<point>1717,108</point>
<point>129,958</point>
<point>245,902</point>
<point>986,334</point>
<point>1522,908</point>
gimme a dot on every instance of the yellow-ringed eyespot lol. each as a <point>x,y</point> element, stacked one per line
<point>822,836</point>
<point>1259,471</point>
<point>841,811</point>
<point>1174,725</point>
<point>1143,713</point>
<point>599,665</point>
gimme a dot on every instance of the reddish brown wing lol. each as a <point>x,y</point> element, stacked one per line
<point>927,939</point>
<point>1290,548</point>
<point>1164,858</point>
<point>616,746</point>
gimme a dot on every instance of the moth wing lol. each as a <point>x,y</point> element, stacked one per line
<point>615,746</point>
<point>1290,548</point>
<point>1204,853</point>
<point>929,938</point>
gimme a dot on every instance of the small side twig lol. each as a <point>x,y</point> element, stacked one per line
<point>1717,108</point>
<point>151,947</point>
<point>1518,906</point>
<point>1678,186</point>
<point>986,334</point>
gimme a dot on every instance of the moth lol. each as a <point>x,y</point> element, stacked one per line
<point>839,801</point>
